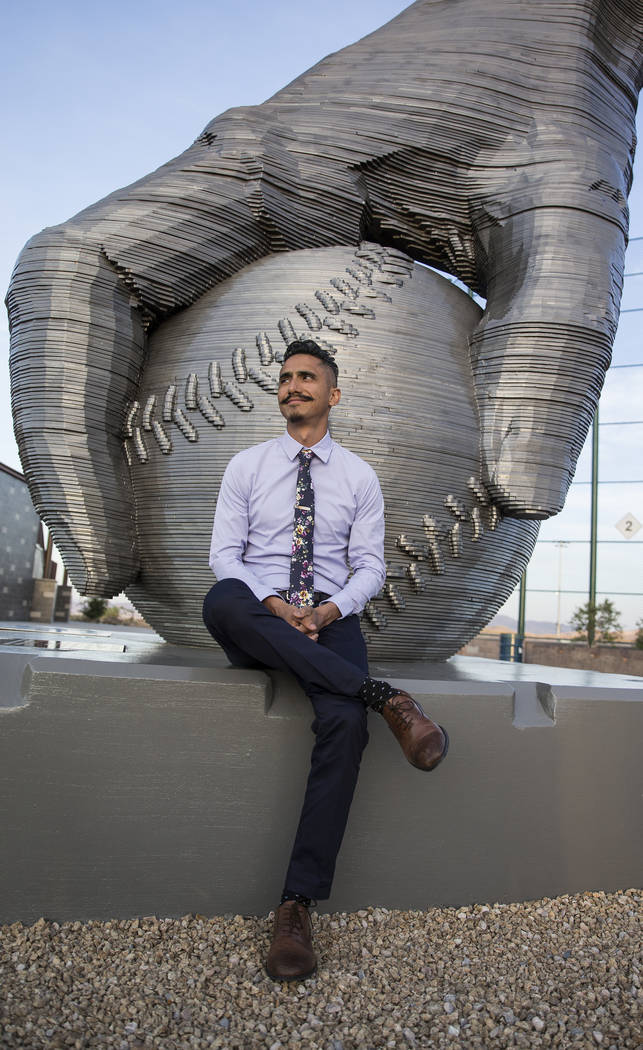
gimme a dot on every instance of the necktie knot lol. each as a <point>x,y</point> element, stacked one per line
<point>305,455</point>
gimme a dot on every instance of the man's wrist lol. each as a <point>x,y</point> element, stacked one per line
<point>329,611</point>
<point>273,602</point>
<point>343,601</point>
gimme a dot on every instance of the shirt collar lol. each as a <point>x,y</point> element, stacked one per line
<point>292,448</point>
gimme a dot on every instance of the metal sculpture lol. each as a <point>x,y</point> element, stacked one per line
<point>491,139</point>
<point>399,333</point>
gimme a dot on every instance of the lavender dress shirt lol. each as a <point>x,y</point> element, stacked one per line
<point>253,522</point>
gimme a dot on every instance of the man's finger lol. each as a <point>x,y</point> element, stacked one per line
<point>312,634</point>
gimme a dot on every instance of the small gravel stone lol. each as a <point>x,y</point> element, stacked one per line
<point>560,973</point>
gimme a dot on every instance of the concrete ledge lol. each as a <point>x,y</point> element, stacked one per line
<point>140,788</point>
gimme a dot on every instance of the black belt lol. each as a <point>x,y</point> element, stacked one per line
<point>318,596</point>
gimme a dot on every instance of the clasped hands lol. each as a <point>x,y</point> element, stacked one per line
<point>308,621</point>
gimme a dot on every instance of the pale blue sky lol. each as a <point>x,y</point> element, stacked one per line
<point>94,96</point>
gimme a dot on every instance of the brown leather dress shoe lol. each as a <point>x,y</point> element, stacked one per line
<point>424,742</point>
<point>291,956</point>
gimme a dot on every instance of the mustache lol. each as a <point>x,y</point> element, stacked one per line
<point>300,397</point>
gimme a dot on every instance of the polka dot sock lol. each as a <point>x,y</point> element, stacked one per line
<point>375,693</point>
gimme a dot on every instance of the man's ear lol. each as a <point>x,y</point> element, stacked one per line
<point>335,396</point>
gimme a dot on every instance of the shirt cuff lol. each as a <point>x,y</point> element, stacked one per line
<point>343,603</point>
<point>262,592</point>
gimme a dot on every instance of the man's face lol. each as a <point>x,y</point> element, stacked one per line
<point>307,389</point>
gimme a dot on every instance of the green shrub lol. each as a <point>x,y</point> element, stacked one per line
<point>94,608</point>
<point>607,627</point>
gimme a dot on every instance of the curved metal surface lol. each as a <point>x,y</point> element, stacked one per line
<point>491,138</point>
<point>399,333</point>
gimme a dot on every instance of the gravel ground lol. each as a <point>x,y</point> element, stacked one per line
<point>562,972</point>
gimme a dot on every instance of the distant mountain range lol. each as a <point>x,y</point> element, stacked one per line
<point>531,626</point>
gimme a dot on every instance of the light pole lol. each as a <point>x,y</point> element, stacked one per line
<point>591,607</point>
<point>560,544</point>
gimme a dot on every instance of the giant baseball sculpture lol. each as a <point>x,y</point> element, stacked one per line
<point>490,138</point>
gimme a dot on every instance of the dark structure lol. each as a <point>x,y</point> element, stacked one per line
<point>491,138</point>
<point>20,531</point>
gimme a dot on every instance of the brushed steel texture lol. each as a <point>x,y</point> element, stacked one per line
<point>407,407</point>
<point>491,138</point>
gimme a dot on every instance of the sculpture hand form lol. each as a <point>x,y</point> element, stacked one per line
<point>491,138</point>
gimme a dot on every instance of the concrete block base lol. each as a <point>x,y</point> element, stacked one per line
<point>172,784</point>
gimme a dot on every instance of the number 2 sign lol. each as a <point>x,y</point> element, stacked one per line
<point>629,525</point>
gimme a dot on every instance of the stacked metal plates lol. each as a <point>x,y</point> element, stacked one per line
<point>492,139</point>
<point>399,333</point>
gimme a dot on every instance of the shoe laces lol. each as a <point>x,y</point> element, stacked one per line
<point>400,707</point>
<point>289,919</point>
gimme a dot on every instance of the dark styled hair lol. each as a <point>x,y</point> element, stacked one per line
<point>308,346</point>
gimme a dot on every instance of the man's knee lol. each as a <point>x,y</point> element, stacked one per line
<point>222,600</point>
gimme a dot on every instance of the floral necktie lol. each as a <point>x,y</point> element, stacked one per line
<point>302,579</point>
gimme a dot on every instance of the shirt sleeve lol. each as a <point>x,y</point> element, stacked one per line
<point>230,531</point>
<point>365,551</point>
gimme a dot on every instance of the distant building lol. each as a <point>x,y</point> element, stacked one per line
<point>29,585</point>
<point>21,550</point>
